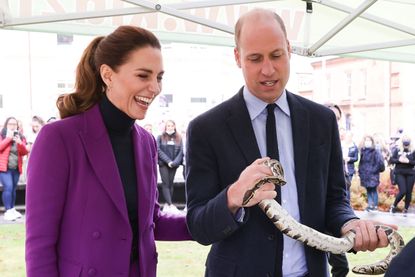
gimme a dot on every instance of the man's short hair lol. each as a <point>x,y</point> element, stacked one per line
<point>239,23</point>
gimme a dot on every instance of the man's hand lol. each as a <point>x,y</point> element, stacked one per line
<point>251,174</point>
<point>366,236</point>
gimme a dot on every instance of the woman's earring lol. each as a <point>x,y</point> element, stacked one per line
<point>109,88</point>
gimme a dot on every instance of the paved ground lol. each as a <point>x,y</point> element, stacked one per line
<point>397,218</point>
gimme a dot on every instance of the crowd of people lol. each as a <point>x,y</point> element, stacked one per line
<point>99,159</point>
<point>370,156</point>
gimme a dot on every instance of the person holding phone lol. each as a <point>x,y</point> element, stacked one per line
<point>12,150</point>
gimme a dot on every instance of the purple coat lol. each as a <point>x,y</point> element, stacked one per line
<point>76,214</point>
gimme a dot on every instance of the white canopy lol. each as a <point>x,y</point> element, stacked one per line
<point>378,29</point>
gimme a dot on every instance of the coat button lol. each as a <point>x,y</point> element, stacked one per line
<point>271,237</point>
<point>96,235</point>
<point>92,272</point>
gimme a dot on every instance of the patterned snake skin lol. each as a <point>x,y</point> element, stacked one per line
<point>290,227</point>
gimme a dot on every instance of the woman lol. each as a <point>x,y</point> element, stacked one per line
<point>403,157</point>
<point>370,165</point>
<point>12,150</point>
<point>170,157</point>
<point>92,176</point>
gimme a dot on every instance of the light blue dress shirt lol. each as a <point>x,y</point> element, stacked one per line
<point>294,262</point>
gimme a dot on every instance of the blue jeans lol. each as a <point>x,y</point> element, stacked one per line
<point>372,197</point>
<point>9,180</point>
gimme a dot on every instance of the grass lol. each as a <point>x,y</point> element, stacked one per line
<point>12,250</point>
<point>176,259</point>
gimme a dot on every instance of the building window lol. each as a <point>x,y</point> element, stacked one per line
<point>64,39</point>
<point>348,85</point>
<point>348,122</point>
<point>327,89</point>
<point>363,84</point>
<point>198,100</point>
<point>395,80</point>
<point>165,100</point>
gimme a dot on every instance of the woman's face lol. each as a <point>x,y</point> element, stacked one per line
<point>135,84</point>
<point>368,143</point>
<point>36,126</point>
<point>12,125</point>
<point>170,127</point>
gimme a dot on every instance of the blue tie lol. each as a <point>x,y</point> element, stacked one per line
<point>272,152</point>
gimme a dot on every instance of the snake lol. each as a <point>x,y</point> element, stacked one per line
<point>313,238</point>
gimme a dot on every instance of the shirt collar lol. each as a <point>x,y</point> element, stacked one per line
<point>256,106</point>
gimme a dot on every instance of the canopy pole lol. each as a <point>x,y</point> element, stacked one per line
<point>346,21</point>
<point>183,15</point>
<point>370,17</point>
<point>366,47</point>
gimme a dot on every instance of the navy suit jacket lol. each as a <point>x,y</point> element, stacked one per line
<point>221,144</point>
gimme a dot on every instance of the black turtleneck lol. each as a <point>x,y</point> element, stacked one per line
<point>119,127</point>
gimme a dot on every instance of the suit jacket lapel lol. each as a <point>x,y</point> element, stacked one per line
<point>146,176</point>
<point>301,132</point>
<point>240,125</point>
<point>99,151</point>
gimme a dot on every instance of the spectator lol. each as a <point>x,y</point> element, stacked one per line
<point>371,164</point>
<point>170,157</point>
<point>148,127</point>
<point>403,157</point>
<point>12,150</point>
<point>37,124</point>
<point>350,156</point>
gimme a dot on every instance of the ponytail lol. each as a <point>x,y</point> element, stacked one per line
<point>88,85</point>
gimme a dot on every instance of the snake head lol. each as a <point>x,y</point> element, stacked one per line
<point>277,178</point>
<point>277,172</point>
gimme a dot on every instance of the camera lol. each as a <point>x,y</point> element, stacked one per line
<point>15,133</point>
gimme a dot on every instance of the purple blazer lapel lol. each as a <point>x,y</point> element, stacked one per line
<point>146,174</point>
<point>99,151</point>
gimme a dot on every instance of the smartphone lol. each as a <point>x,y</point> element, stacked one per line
<point>15,133</point>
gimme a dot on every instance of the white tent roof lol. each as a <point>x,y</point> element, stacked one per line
<point>378,29</point>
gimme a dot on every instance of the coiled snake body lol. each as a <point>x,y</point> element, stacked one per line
<point>290,227</point>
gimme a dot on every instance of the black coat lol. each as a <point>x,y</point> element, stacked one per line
<point>370,165</point>
<point>169,151</point>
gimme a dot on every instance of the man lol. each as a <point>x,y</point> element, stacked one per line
<point>225,146</point>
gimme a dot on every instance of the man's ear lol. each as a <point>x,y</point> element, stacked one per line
<point>289,48</point>
<point>106,74</point>
<point>237,56</point>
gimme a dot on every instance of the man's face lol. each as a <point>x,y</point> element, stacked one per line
<point>264,57</point>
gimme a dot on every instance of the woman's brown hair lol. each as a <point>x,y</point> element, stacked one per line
<point>112,50</point>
